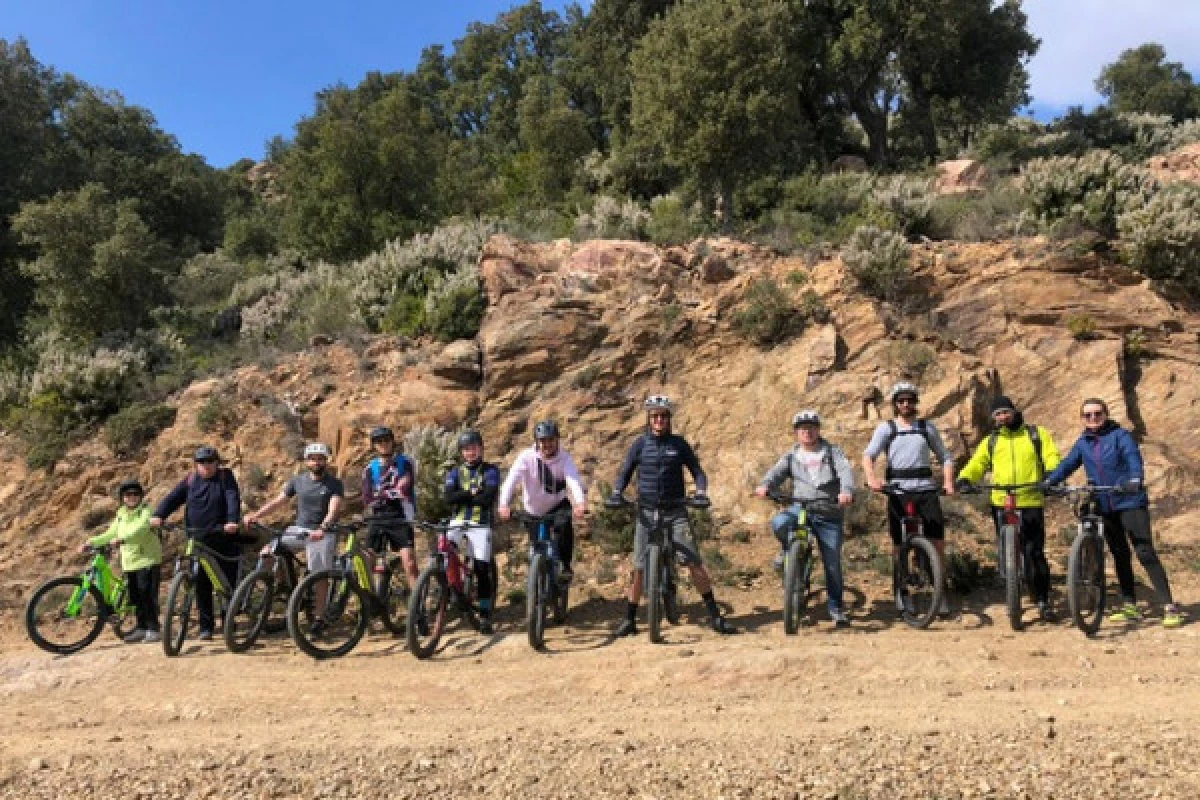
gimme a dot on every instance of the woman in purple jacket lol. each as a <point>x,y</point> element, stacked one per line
<point>1110,457</point>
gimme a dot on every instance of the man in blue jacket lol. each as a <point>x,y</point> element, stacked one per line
<point>212,502</point>
<point>1110,457</point>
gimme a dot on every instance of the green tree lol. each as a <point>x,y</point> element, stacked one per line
<point>1142,80</point>
<point>99,268</point>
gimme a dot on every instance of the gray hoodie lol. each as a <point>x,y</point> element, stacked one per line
<point>835,476</point>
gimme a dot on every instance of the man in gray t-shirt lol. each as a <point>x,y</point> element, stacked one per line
<point>909,443</point>
<point>318,500</point>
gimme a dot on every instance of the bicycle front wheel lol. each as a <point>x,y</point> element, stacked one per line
<point>795,593</point>
<point>248,610</point>
<point>654,606</point>
<point>536,590</point>
<point>920,581</point>
<point>180,599</point>
<point>62,617</point>
<point>1012,574</point>
<point>1085,582</point>
<point>427,612</point>
<point>328,613</point>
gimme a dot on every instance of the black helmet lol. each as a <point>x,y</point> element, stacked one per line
<point>468,438</point>
<point>547,429</point>
<point>130,485</point>
<point>207,453</point>
<point>381,433</point>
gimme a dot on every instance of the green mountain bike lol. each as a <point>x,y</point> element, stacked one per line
<point>181,596</point>
<point>66,614</point>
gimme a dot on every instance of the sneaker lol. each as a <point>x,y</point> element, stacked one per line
<point>485,626</point>
<point>627,628</point>
<point>722,626</point>
<point>205,636</point>
<point>135,636</point>
<point>840,620</point>
<point>1126,613</point>
<point>1046,613</point>
<point>1172,616</point>
<point>152,636</point>
<point>777,563</point>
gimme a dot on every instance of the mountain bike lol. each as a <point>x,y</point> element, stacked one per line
<point>446,583</point>
<point>264,592</point>
<point>797,564</point>
<point>660,576</point>
<point>1087,592</point>
<point>66,614</point>
<point>330,610</point>
<point>546,588</point>
<point>181,595</point>
<point>1012,546</point>
<point>917,573</point>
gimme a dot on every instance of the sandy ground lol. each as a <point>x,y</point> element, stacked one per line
<point>967,708</point>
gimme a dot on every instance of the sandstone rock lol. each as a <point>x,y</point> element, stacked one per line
<point>1180,165</point>
<point>963,175</point>
<point>459,363</point>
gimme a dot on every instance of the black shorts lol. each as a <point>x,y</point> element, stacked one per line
<point>396,534</point>
<point>928,508</point>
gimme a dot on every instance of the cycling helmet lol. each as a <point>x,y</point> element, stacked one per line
<point>467,438</point>
<point>658,402</point>
<point>128,486</point>
<point>317,449</point>
<point>904,387</point>
<point>548,429</point>
<point>806,417</point>
<point>207,453</point>
<point>381,433</point>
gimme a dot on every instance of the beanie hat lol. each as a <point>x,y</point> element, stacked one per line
<point>1002,403</point>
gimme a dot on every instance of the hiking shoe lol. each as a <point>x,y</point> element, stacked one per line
<point>944,606</point>
<point>1172,616</point>
<point>1046,613</point>
<point>485,626</point>
<point>722,626</point>
<point>152,636</point>
<point>627,628</point>
<point>840,620</point>
<point>1126,613</point>
<point>135,636</point>
<point>205,636</point>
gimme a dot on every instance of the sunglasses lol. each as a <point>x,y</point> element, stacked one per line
<point>206,461</point>
<point>1094,414</point>
<point>660,416</point>
<point>911,401</point>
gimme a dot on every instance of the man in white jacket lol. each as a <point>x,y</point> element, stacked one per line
<point>550,486</point>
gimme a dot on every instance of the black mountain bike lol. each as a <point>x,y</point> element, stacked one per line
<point>259,603</point>
<point>546,588</point>
<point>1087,592</point>
<point>661,579</point>
<point>917,574</point>
<point>797,564</point>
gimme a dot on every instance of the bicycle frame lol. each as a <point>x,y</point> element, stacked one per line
<point>198,556</point>
<point>100,575</point>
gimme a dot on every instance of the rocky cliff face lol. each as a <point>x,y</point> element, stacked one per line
<point>583,332</point>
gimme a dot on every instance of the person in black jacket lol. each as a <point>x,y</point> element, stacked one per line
<point>213,503</point>
<point>659,457</point>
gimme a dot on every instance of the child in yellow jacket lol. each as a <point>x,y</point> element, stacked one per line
<point>141,557</point>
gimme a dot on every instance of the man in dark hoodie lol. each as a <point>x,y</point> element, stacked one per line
<point>659,457</point>
<point>212,503</point>
<point>1110,456</point>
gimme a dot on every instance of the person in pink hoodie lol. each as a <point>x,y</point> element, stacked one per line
<point>550,486</point>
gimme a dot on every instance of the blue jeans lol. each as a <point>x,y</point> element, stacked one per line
<point>829,533</point>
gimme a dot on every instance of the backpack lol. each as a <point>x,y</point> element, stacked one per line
<point>921,428</point>
<point>402,463</point>
<point>1034,437</point>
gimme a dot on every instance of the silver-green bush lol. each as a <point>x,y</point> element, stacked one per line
<point>1162,239</point>
<point>1090,190</point>
<point>878,260</point>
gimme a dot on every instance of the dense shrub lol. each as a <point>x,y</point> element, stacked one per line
<point>132,428</point>
<point>436,451</point>
<point>768,315</point>
<point>206,280</point>
<point>909,200</point>
<point>1082,327</point>
<point>981,216</point>
<point>1162,239</point>
<point>91,382</point>
<point>878,260</point>
<point>454,306</point>
<point>673,221</point>
<point>1091,190</point>
<point>612,218</point>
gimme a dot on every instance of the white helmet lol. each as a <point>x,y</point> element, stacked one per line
<point>317,449</point>
<point>904,387</point>
<point>658,402</point>
<point>806,417</point>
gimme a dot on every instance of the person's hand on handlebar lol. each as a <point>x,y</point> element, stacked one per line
<point>504,513</point>
<point>616,500</point>
<point>875,484</point>
<point>964,485</point>
<point>948,487</point>
<point>1131,486</point>
<point>156,522</point>
<point>232,527</point>
<point>845,499</point>
<point>578,512</point>
<point>760,491</point>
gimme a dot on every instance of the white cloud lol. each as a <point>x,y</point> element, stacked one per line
<point>1080,36</point>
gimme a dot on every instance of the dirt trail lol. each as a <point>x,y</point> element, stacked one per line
<point>966,709</point>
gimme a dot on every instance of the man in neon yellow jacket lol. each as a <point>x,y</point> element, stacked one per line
<point>1017,453</point>
<point>141,556</point>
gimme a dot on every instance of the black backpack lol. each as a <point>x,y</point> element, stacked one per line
<point>1034,437</point>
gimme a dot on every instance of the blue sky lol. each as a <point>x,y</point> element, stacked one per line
<point>225,76</point>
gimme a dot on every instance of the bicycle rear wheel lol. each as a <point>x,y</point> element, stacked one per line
<point>427,612</point>
<point>1012,574</point>
<point>537,587</point>
<point>795,593</point>
<point>562,595</point>
<point>181,598</point>
<point>1086,583</point>
<point>342,620</point>
<point>248,610</point>
<point>122,615</point>
<point>55,629</point>
<point>395,599</point>
<point>920,581</point>
<point>654,605</point>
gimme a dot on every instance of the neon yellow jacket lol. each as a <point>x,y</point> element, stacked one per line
<point>1015,462</point>
<point>140,546</point>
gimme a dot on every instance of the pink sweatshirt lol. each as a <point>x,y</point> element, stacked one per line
<point>544,482</point>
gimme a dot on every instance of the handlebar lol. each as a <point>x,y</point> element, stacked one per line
<point>976,488</point>
<point>695,501</point>
<point>1062,490</point>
